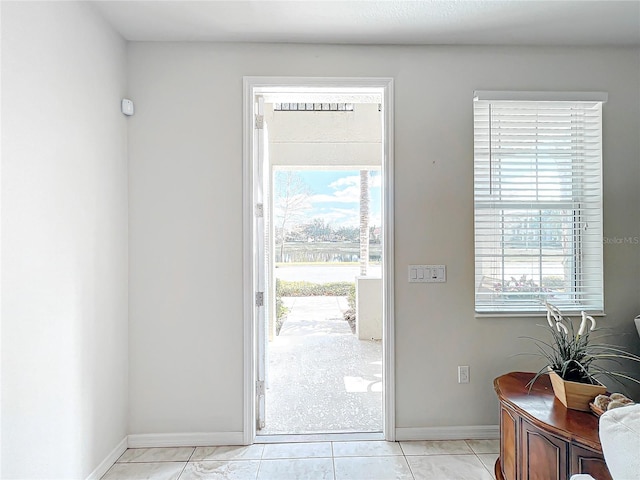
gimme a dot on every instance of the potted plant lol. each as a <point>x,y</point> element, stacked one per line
<point>575,360</point>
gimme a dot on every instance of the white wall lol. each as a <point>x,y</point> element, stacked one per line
<point>64,236</point>
<point>186,210</point>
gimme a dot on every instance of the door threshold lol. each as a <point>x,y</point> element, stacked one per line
<point>320,437</point>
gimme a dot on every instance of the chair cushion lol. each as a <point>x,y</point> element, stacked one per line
<point>620,439</point>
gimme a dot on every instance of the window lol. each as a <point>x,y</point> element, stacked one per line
<point>538,201</point>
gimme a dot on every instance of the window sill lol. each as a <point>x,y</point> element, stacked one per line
<point>533,314</point>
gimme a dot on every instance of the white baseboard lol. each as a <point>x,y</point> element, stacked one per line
<point>473,432</point>
<point>185,439</point>
<point>109,460</point>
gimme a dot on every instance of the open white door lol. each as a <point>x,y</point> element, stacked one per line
<point>261,189</point>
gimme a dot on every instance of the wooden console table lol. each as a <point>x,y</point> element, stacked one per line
<point>540,439</point>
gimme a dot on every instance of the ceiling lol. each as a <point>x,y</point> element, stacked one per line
<point>418,22</point>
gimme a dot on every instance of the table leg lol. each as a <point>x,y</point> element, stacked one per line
<point>498,470</point>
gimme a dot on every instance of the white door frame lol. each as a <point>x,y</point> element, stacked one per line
<point>251,87</point>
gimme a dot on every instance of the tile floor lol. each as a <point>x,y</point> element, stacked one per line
<point>366,460</point>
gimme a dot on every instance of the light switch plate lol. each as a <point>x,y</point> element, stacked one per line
<point>427,273</point>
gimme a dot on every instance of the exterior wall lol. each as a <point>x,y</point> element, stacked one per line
<point>369,308</point>
<point>186,189</point>
<point>64,239</point>
<point>339,139</point>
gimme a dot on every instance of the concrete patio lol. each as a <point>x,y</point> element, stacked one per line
<point>320,377</point>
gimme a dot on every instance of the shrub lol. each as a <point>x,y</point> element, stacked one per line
<point>553,282</point>
<point>351,297</point>
<point>281,310</point>
<point>350,314</point>
<point>308,289</point>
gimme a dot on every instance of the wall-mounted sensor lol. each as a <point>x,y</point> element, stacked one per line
<point>127,106</point>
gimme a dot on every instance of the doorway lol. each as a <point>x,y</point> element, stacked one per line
<point>323,354</point>
<point>327,100</point>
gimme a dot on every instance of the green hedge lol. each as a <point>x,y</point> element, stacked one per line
<point>308,289</point>
<point>281,310</point>
<point>351,298</point>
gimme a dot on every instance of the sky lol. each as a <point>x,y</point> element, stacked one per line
<point>335,197</point>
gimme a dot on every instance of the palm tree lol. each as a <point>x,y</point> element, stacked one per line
<point>364,222</point>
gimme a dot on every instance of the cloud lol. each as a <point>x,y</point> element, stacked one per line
<point>346,195</point>
<point>354,180</point>
<point>350,180</point>
<point>345,190</point>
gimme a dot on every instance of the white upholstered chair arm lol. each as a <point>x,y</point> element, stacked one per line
<point>620,439</point>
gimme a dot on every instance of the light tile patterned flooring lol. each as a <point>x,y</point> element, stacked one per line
<point>366,460</point>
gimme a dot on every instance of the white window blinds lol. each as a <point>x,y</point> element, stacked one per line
<point>538,202</point>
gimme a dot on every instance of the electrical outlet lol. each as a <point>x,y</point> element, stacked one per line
<point>463,373</point>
